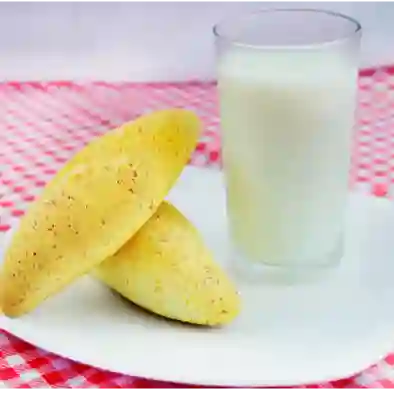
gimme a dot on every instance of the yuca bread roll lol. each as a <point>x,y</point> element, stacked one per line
<point>98,201</point>
<point>166,268</point>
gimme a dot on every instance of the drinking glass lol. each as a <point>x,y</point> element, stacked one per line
<point>287,84</point>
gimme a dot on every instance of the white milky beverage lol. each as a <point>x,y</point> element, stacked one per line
<point>287,119</point>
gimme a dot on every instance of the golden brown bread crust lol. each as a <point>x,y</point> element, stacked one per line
<point>100,199</point>
<point>167,269</point>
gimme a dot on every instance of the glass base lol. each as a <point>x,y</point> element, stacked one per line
<point>286,272</point>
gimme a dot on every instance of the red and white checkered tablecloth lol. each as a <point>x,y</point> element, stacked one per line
<point>43,124</point>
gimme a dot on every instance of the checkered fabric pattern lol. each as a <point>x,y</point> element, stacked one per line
<point>44,124</point>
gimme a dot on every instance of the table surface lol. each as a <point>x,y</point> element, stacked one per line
<point>44,124</point>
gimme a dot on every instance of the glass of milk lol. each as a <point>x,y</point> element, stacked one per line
<point>287,83</point>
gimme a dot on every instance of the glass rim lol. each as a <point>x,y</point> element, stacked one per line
<point>233,41</point>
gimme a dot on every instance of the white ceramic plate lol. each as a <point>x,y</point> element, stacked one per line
<point>285,335</point>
